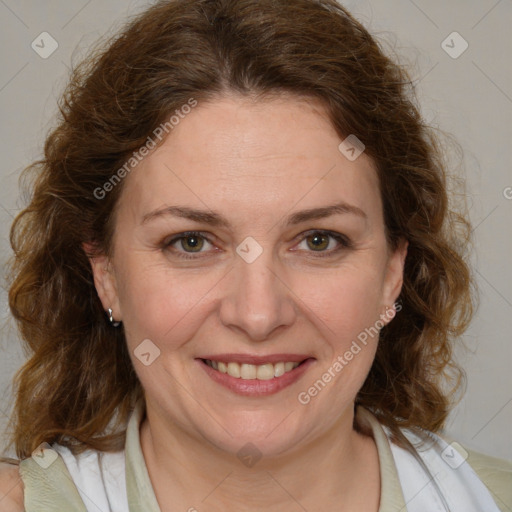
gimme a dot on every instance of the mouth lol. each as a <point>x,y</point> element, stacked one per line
<point>246,371</point>
<point>256,379</point>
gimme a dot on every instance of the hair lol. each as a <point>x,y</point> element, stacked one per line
<point>78,385</point>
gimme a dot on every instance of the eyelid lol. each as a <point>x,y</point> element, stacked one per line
<point>178,236</point>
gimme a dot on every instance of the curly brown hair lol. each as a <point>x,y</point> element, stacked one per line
<point>78,386</point>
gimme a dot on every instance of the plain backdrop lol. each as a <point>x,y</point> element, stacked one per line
<point>467,94</point>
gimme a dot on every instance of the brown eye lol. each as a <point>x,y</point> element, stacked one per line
<point>193,242</point>
<point>324,243</point>
<point>318,242</point>
<point>188,245</point>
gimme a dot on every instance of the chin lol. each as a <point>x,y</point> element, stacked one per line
<point>265,436</point>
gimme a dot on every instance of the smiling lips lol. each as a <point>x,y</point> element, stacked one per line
<point>251,371</point>
<point>256,375</point>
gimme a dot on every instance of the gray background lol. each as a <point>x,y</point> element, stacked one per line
<point>469,96</point>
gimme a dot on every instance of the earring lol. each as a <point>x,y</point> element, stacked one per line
<point>111,319</point>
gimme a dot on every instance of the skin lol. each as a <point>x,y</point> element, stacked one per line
<point>255,163</point>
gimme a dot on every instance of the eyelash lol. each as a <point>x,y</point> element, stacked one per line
<point>344,243</point>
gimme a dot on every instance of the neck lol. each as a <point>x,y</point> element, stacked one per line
<point>338,470</point>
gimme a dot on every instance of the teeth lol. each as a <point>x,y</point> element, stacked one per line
<point>278,369</point>
<point>234,370</point>
<point>288,366</point>
<point>251,371</point>
<point>265,372</point>
<point>247,371</point>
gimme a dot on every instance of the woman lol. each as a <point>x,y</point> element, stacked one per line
<point>240,278</point>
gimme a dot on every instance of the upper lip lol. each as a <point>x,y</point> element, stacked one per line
<point>255,359</point>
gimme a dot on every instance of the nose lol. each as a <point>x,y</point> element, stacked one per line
<point>258,302</point>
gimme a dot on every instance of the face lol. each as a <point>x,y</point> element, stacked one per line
<point>226,248</point>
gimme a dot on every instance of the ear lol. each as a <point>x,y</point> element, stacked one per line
<point>394,274</point>
<point>104,280</point>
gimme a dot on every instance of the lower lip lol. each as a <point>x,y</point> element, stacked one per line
<point>255,387</point>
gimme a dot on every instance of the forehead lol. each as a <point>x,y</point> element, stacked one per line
<point>242,154</point>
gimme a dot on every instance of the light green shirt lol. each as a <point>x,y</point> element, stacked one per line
<point>53,489</point>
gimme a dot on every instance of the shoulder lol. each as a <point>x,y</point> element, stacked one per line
<point>495,473</point>
<point>11,488</point>
<point>49,484</point>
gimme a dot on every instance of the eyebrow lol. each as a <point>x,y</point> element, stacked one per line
<point>217,220</point>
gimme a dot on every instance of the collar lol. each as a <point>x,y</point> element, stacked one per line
<point>141,496</point>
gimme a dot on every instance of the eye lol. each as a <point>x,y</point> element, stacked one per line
<point>325,243</point>
<point>191,242</point>
<point>189,245</point>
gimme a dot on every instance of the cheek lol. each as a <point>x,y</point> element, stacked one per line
<point>346,302</point>
<point>346,308</point>
<point>349,309</point>
<point>162,305</point>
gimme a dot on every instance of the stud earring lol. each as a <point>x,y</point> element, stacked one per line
<point>111,319</point>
